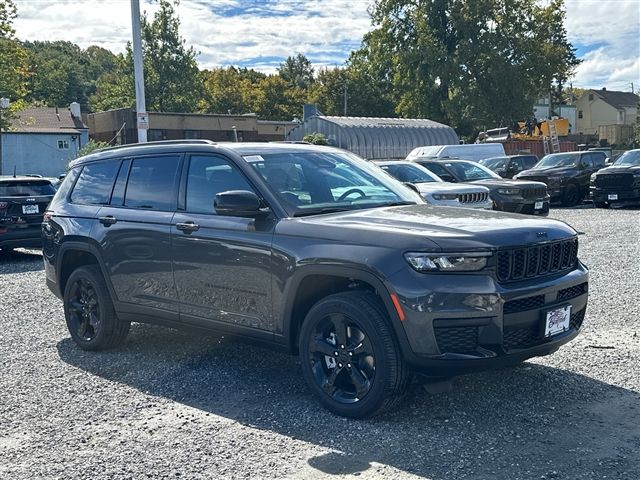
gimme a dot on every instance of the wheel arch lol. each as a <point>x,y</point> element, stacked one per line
<point>314,282</point>
<point>74,254</point>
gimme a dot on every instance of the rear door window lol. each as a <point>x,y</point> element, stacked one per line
<point>152,183</point>
<point>95,183</point>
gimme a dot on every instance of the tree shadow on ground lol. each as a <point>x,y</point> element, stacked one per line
<point>20,261</point>
<point>531,421</point>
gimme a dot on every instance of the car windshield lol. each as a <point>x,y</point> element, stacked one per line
<point>558,160</point>
<point>25,188</point>
<point>410,173</point>
<point>469,171</point>
<point>308,183</point>
<point>632,157</point>
<point>497,163</point>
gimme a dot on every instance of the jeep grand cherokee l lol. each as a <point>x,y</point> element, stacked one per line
<point>365,282</point>
<point>507,195</point>
<point>23,201</point>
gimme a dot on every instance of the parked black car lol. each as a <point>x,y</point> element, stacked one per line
<point>274,243</point>
<point>507,195</point>
<point>618,184</point>
<point>509,165</point>
<point>566,174</point>
<point>23,200</point>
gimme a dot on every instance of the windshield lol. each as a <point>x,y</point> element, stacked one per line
<point>320,182</point>
<point>469,171</point>
<point>22,188</point>
<point>497,163</point>
<point>558,160</point>
<point>410,173</point>
<point>632,157</point>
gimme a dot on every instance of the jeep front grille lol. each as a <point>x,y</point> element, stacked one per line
<point>535,261</point>
<point>535,192</point>
<point>473,197</point>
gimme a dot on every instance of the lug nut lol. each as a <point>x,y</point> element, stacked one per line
<point>335,353</point>
<point>342,346</point>
<point>340,365</point>
<point>351,354</point>
<point>348,365</point>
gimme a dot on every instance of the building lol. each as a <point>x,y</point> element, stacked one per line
<point>43,140</point>
<point>374,138</point>
<point>119,127</point>
<point>599,109</point>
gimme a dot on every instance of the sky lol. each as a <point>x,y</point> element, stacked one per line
<point>260,34</point>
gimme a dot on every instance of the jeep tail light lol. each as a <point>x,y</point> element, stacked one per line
<point>47,216</point>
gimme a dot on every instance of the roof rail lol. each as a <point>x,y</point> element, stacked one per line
<point>161,142</point>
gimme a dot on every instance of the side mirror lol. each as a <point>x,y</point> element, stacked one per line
<point>238,203</point>
<point>411,186</point>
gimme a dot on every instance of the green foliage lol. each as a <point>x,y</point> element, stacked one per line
<point>274,99</point>
<point>229,90</point>
<point>173,81</point>
<point>297,71</point>
<point>470,63</point>
<point>7,14</point>
<point>316,138</point>
<point>91,146</point>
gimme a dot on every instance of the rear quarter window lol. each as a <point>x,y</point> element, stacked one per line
<point>95,183</point>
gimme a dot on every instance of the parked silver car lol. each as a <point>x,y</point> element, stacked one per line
<point>436,191</point>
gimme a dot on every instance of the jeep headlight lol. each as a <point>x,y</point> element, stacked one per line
<point>447,262</point>
<point>554,181</point>
<point>509,191</point>
<point>445,196</point>
<point>592,179</point>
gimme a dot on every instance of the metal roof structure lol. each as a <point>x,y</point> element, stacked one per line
<point>376,138</point>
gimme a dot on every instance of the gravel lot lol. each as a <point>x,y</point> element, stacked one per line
<point>177,405</point>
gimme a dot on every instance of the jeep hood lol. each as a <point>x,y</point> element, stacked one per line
<point>427,227</point>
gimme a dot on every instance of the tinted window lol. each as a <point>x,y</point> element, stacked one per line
<point>409,173</point>
<point>598,159</point>
<point>152,182</point>
<point>209,176</point>
<point>530,161</point>
<point>437,169</point>
<point>587,161</point>
<point>95,184</point>
<point>26,188</point>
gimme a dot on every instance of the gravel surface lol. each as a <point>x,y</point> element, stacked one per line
<point>171,404</point>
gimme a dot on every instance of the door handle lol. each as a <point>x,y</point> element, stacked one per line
<point>188,227</point>
<point>108,220</point>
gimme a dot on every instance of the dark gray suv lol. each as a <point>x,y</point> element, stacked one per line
<point>311,250</point>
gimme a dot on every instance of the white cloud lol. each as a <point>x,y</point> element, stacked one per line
<point>262,33</point>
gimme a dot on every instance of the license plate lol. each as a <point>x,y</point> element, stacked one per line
<point>612,196</point>
<point>557,320</point>
<point>30,209</point>
<point>539,205</point>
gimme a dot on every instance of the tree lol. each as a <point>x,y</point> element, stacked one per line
<point>8,13</point>
<point>274,99</point>
<point>297,71</point>
<point>316,138</point>
<point>470,63</point>
<point>13,64</point>
<point>172,79</point>
<point>90,147</point>
<point>229,90</point>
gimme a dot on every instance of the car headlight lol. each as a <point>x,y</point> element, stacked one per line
<point>445,196</point>
<point>447,262</point>
<point>509,191</point>
<point>554,181</point>
<point>592,178</point>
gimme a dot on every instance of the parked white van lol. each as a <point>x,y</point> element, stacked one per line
<point>467,151</point>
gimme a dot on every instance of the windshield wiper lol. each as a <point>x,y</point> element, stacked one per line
<point>318,211</point>
<point>396,204</point>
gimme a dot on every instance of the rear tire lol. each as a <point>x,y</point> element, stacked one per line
<point>350,357</point>
<point>88,310</point>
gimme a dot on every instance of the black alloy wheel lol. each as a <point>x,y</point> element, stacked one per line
<point>91,318</point>
<point>350,357</point>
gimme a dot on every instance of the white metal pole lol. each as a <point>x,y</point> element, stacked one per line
<point>138,71</point>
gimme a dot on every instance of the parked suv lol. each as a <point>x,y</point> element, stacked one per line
<point>566,174</point>
<point>507,195</point>
<point>23,200</point>
<point>510,165</point>
<point>307,249</point>
<point>618,184</point>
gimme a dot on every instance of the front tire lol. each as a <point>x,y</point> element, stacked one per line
<point>88,310</point>
<point>350,357</point>
<point>571,195</point>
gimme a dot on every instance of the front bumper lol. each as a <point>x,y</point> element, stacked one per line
<point>623,196</point>
<point>516,204</point>
<point>462,323</point>
<point>486,205</point>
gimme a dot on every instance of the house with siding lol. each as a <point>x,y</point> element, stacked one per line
<point>43,140</point>
<point>607,113</point>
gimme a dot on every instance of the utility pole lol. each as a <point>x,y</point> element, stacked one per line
<point>4,104</point>
<point>345,98</point>
<point>141,109</point>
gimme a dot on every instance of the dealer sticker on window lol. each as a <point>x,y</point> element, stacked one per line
<point>557,320</point>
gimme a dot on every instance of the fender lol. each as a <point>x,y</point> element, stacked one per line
<point>381,287</point>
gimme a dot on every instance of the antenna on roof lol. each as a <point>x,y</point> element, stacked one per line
<point>14,171</point>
